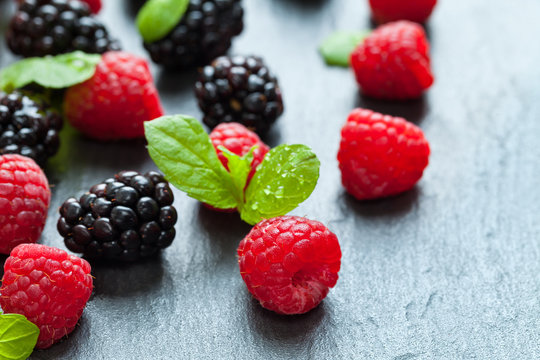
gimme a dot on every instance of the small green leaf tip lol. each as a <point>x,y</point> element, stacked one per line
<point>54,72</point>
<point>158,17</point>
<point>18,336</point>
<point>336,49</point>
<point>184,153</point>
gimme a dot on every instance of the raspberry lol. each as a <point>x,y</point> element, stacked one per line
<point>380,155</point>
<point>28,127</point>
<point>48,286</point>
<point>115,102</point>
<point>393,10</point>
<point>24,201</point>
<point>239,140</point>
<point>51,27</point>
<point>289,263</point>
<point>204,33</point>
<point>239,89</point>
<point>94,5</point>
<point>393,62</point>
<point>125,218</point>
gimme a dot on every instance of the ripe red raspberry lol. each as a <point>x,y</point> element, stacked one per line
<point>238,139</point>
<point>24,201</point>
<point>392,10</point>
<point>95,5</point>
<point>289,263</point>
<point>115,102</point>
<point>48,286</point>
<point>393,62</point>
<point>380,155</point>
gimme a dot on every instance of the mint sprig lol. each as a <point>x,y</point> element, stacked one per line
<point>55,72</point>
<point>184,153</point>
<point>158,17</point>
<point>18,336</point>
<point>336,49</point>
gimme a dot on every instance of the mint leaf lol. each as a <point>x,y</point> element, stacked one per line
<point>54,72</point>
<point>18,336</point>
<point>158,17</point>
<point>336,49</point>
<point>239,169</point>
<point>285,178</point>
<point>184,153</point>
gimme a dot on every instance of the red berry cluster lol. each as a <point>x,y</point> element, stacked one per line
<point>288,263</point>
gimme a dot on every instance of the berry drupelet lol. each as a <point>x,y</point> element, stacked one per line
<point>204,33</point>
<point>51,27</point>
<point>125,218</point>
<point>239,89</point>
<point>28,127</point>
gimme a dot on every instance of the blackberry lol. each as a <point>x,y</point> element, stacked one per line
<point>125,218</point>
<point>28,127</point>
<point>239,89</point>
<point>51,27</point>
<point>204,33</point>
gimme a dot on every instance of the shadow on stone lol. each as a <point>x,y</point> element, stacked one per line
<point>394,206</point>
<point>412,110</point>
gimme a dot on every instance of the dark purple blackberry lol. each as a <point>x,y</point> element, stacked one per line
<point>51,27</point>
<point>204,33</point>
<point>125,218</point>
<point>28,127</point>
<point>239,89</point>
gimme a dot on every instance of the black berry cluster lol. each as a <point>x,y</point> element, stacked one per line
<point>50,27</point>
<point>205,32</point>
<point>239,89</point>
<point>125,218</point>
<point>28,127</point>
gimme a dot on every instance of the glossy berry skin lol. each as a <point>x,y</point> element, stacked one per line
<point>49,287</point>
<point>125,218</point>
<point>24,201</point>
<point>392,10</point>
<point>116,101</point>
<point>51,27</point>
<point>380,155</point>
<point>28,127</point>
<point>204,33</point>
<point>94,5</point>
<point>393,62</point>
<point>239,140</point>
<point>289,263</point>
<point>239,89</point>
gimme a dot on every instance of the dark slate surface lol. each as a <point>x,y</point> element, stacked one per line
<point>449,270</point>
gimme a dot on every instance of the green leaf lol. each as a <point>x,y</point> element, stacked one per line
<point>158,17</point>
<point>239,169</point>
<point>336,49</point>
<point>18,336</point>
<point>54,72</point>
<point>184,153</point>
<point>285,178</point>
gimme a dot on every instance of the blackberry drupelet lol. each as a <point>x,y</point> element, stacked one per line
<point>239,89</point>
<point>28,127</point>
<point>51,27</point>
<point>204,33</point>
<point>125,218</point>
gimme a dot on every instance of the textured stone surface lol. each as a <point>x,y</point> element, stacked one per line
<point>449,270</point>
